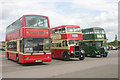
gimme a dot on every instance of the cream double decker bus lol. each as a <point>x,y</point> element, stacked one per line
<point>65,41</point>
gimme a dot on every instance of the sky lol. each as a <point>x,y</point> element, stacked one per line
<point>85,13</point>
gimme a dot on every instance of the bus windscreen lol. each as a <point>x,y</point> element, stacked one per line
<point>36,21</point>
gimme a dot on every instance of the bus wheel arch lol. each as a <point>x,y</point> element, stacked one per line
<point>65,55</point>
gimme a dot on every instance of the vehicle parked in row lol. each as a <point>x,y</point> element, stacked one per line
<point>92,43</point>
<point>65,41</point>
<point>28,39</point>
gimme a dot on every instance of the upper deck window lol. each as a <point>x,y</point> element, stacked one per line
<point>77,29</point>
<point>99,32</point>
<point>36,21</point>
<point>70,29</point>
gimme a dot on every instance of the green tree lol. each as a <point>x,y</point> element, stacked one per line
<point>116,41</point>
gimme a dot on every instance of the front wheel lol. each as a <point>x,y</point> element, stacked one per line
<point>81,56</point>
<point>105,54</point>
<point>66,56</point>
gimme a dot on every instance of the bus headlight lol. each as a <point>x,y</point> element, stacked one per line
<point>82,51</point>
<point>71,51</point>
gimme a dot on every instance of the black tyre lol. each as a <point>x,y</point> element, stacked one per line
<point>81,56</point>
<point>92,54</point>
<point>105,54</point>
<point>8,56</point>
<point>66,56</point>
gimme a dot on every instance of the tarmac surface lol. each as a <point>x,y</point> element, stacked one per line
<point>58,68</point>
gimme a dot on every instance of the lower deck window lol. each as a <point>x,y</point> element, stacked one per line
<point>36,45</point>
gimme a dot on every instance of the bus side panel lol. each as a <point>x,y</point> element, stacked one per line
<point>58,52</point>
<point>12,56</point>
<point>14,35</point>
<point>20,58</point>
<point>70,36</point>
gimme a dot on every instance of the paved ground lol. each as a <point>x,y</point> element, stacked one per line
<point>88,68</point>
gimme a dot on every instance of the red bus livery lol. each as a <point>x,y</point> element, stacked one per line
<point>65,41</point>
<point>28,39</point>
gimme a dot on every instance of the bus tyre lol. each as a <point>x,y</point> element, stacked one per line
<point>105,54</point>
<point>81,56</point>
<point>66,56</point>
<point>8,56</point>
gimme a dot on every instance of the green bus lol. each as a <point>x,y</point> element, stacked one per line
<point>92,43</point>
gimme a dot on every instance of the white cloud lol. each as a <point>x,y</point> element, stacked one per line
<point>105,5</point>
<point>107,17</point>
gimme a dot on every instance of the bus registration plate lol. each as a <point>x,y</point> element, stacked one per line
<point>38,60</point>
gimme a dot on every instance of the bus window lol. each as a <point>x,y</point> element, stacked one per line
<point>59,44</point>
<point>56,31</point>
<point>52,32</point>
<point>77,29</point>
<point>102,32</point>
<point>21,45</point>
<point>60,31</point>
<point>63,43</point>
<point>97,32</point>
<point>12,46</point>
<point>46,44</point>
<point>70,29</point>
<point>52,44</point>
<point>83,44</point>
<point>36,21</point>
<point>71,42</point>
<point>63,30</point>
<point>66,43</point>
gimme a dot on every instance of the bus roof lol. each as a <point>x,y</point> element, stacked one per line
<point>27,15</point>
<point>65,26</point>
<point>93,28</point>
<point>34,15</point>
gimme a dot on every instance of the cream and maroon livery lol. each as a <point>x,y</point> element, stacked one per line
<point>65,41</point>
<point>20,36</point>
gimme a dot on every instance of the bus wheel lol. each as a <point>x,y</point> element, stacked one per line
<point>66,56</point>
<point>81,56</point>
<point>105,54</point>
<point>92,54</point>
<point>8,56</point>
<point>17,58</point>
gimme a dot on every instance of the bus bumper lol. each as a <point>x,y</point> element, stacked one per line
<point>35,58</point>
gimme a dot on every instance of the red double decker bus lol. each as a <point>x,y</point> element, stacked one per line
<point>65,42</point>
<point>28,39</point>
